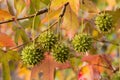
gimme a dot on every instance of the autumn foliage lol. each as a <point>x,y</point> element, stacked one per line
<point>59,39</point>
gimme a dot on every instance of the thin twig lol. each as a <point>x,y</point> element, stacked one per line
<point>30,16</point>
<point>63,11</point>
<point>104,41</point>
<point>50,26</point>
<point>20,45</point>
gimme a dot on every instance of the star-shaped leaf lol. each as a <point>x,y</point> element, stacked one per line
<point>99,62</point>
<point>47,68</point>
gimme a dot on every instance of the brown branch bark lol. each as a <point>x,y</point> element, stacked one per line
<point>30,16</point>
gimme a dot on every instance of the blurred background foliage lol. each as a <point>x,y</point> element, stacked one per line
<point>22,30</point>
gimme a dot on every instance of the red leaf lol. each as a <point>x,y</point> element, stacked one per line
<point>99,62</point>
<point>47,67</point>
<point>6,41</point>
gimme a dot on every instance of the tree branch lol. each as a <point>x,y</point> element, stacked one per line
<point>40,12</point>
<point>104,41</point>
<point>30,16</point>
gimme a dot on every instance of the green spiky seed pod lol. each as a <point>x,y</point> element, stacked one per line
<point>104,22</point>
<point>47,40</point>
<point>32,55</point>
<point>82,42</point>
<point>60,52</point>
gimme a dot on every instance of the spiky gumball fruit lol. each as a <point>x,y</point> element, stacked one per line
<point>47,40</point>
<point>104,22</point>
<point>82,42</point>
<point>60,52</point>
<point>32,55</point>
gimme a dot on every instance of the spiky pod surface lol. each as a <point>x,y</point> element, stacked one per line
<point>47,40</point>
<point>60,52</point>
<point>32,55</point>
<point>82,42</point>
<point>104,22</point>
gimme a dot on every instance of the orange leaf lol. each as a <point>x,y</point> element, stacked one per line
<point>6,41</point>
<point>4,15</point>
<point>47,68</point>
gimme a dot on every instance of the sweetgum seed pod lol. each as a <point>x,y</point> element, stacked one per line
<point>47,40</point>
<point>104,22</point>
<point>60,52</point>
<point>32,55</point>
<point>82,42</point>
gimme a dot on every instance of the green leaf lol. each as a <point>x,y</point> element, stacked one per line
<point>13,55</point>
<point>35,6</point>
<point>19,5</point>
<point>5,57</point>
<point>6,70</point>
<point>20,33</point>
<point>26,24</point>
<point>24,36</point>
<point>36,22</point>
<point>9,55</point>
<point>45,1</point>
<point>17,36</point>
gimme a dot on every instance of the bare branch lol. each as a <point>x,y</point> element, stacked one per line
<point>30,16</point>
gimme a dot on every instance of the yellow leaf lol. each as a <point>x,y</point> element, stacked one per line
<point>74,4</point>
<point>111,3</point>
<point>89,6</point>
<point>23,72</point>
<point>53,14</point>
<point>86,73</point>
<point>56,4</point>
<point>4,15</point>
<point>70,22</point>
<point>95,33</point>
